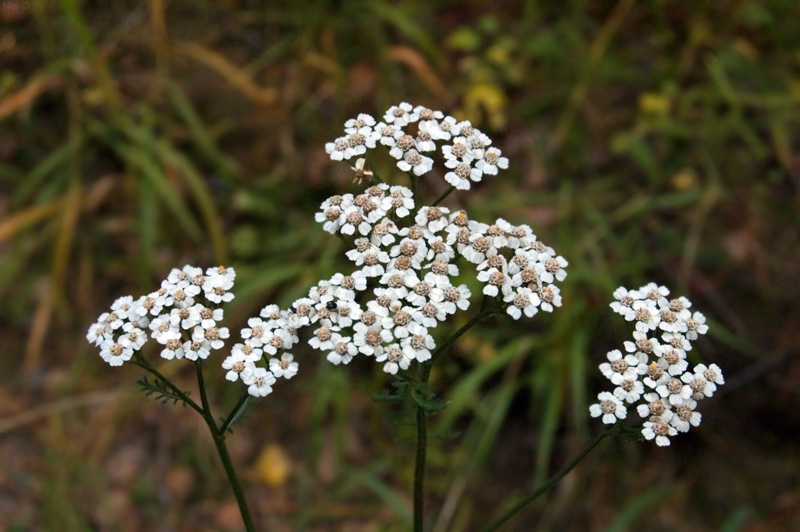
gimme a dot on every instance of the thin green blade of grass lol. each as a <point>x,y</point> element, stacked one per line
<point>52,163</point>
<point>636,508</point>
<point>199,132</point>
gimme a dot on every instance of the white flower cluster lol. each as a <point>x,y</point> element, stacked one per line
<point>186,327</point>
<point>670,398</point>
<point>412,270</point>
<point>468,153</point>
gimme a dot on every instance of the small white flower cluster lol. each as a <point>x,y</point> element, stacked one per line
<point>186,327</point>
<point>672,393</point>
<point>469,156</point>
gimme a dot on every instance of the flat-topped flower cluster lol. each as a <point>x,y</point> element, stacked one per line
<point>189,328</point>
<point>468,153</point>
<point>670,398</point>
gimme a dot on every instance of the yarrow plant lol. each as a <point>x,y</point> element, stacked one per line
<point>409,260</point>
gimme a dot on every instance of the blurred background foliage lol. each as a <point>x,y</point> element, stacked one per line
<point>651,140</point>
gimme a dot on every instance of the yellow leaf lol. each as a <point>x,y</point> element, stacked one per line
<point>273,465</point>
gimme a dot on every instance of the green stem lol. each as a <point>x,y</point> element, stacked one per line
<point>552,480</point>
<point>414,180</point>
<point>222,450</point>
<point>232,416</point>
<point>443,196</point>
<point>419,470</point>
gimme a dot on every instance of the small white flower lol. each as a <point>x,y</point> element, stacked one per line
<point>696,325</point>
<point>343,350</point>
<point>400,200</point>
<point>255,332</point>
<point>400,115</point>
<point>383,233</point>
<point>440,273</point>
<point>194,349</point>
<point>491,161</point>
<point>276,340</point>
<point>429,314</point>
<point>208,316</point>
<point>425,137</point>
<point>653,293</point>
<point>458,151</point>
<point>122,306</point>
<point>699,386</point>
<point>624,304</point>
<point>450,298</point>
<point>480,247</point>
<point>353,219</point>
<point>179,278</point>
<point>399,323</point>
<point>435,218</point>
<point>389,134</point>
<point>133,337</point>
<point>395,358</point>
<point>677,341</point>
<point>99,333</point>
<point>323,337</point>
<point>339,149</point>
<point>685,416</point>
<point>214,336</point>
<point>163,330</point>
<point>643,346</point>
<point>321,293</point>
<point>361,124</point>
<point>114,353</point>
<point>655,406</point>
<point>659,428</point>
<point>522,300</point>
<point>674,360</point>
<point>397,281</point>
<point>495,281</point>
<point>414,161</point>
<point>150,304</point>
<point>551,268</point>
<point>609,407</point>
<point>438,249</point>
<point>276,318</point>
<point>370,340</point>
<point>238,364</point>
<point>259,382</point>
<point>418,344</point>
<point>222,271</point>
<point>285,367</point>
<point>550,296</point>
<point>445,129</point>
<point>172,349</point>
<point>676,391</point>
<point>345,286</point>
<point>629,390</point>
<point>647,316</point>
<point>656,374</point>
<point>619,367</point>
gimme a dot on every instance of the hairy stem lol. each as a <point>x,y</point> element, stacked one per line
<point>222,450</point>
<point>552,480</point>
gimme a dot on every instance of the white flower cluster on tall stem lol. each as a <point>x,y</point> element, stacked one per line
<point>655,373</point>
<point>407,257</point>
<point>188,328</point>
